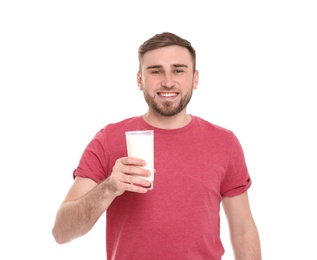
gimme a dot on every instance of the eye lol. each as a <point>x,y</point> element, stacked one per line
<point>155,71</point>
<point>177,71</point>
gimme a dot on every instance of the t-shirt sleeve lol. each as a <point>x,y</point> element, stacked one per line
<point>236,179</point>
<point>92,162</point>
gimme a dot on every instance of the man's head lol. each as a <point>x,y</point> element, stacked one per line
<point>167,74</point>
<point>162,40</point>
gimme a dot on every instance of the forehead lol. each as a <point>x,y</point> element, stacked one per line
<point>167,56</point>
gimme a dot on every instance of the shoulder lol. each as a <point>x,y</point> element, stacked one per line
<point>215,133</point>
<point>116,128</point>
<point>209,126</point>
<point>122,125</point>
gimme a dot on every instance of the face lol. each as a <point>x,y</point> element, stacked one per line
<point>167,79</point>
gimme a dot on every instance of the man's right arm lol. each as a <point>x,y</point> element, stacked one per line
<point>86,200</point>
<point>82,207</point>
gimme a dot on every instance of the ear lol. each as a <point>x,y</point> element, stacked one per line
<point>139,81</point>
<point>195,79</point>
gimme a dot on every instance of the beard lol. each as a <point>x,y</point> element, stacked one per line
<point>167,108</point>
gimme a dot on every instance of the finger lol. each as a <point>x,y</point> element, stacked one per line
<point>132,161</point>
<point>121,177</point>
<point>130,166</point>
<point>135,171</point>
<point>135,188</point>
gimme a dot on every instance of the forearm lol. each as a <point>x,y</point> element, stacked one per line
<point>246,246</point>
<point>75,218</point>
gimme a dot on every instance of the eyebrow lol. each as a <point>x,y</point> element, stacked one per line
<point>160,66</point>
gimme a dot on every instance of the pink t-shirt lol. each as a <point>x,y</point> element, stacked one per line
<point>179,219</point>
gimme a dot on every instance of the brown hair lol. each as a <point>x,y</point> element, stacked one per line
<point>162,40</point>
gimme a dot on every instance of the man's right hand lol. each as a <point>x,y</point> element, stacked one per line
<point>126,175</point>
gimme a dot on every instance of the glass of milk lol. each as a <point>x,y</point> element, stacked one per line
<point>140,144</point>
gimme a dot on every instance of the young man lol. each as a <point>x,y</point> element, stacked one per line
<point>198,166</point>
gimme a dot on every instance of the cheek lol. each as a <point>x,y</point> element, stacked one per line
<point>147,83</point>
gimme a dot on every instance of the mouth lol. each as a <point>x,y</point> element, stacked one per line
<point>167,95</point>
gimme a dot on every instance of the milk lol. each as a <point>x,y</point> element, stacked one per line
<point>140,144</point>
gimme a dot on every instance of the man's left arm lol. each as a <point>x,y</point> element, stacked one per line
<point>243,231</point>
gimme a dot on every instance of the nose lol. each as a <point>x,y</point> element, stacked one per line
<point>167,81</point>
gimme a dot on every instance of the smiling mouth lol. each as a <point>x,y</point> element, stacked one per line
<point>167,94</point>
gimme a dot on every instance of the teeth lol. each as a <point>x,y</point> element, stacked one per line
<point>168,94</point>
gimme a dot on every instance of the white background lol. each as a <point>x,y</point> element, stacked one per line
<point>68,68</point>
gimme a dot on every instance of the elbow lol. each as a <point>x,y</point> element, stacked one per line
<point>58,237</point>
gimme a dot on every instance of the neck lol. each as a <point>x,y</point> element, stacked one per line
<point>167,122</point>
